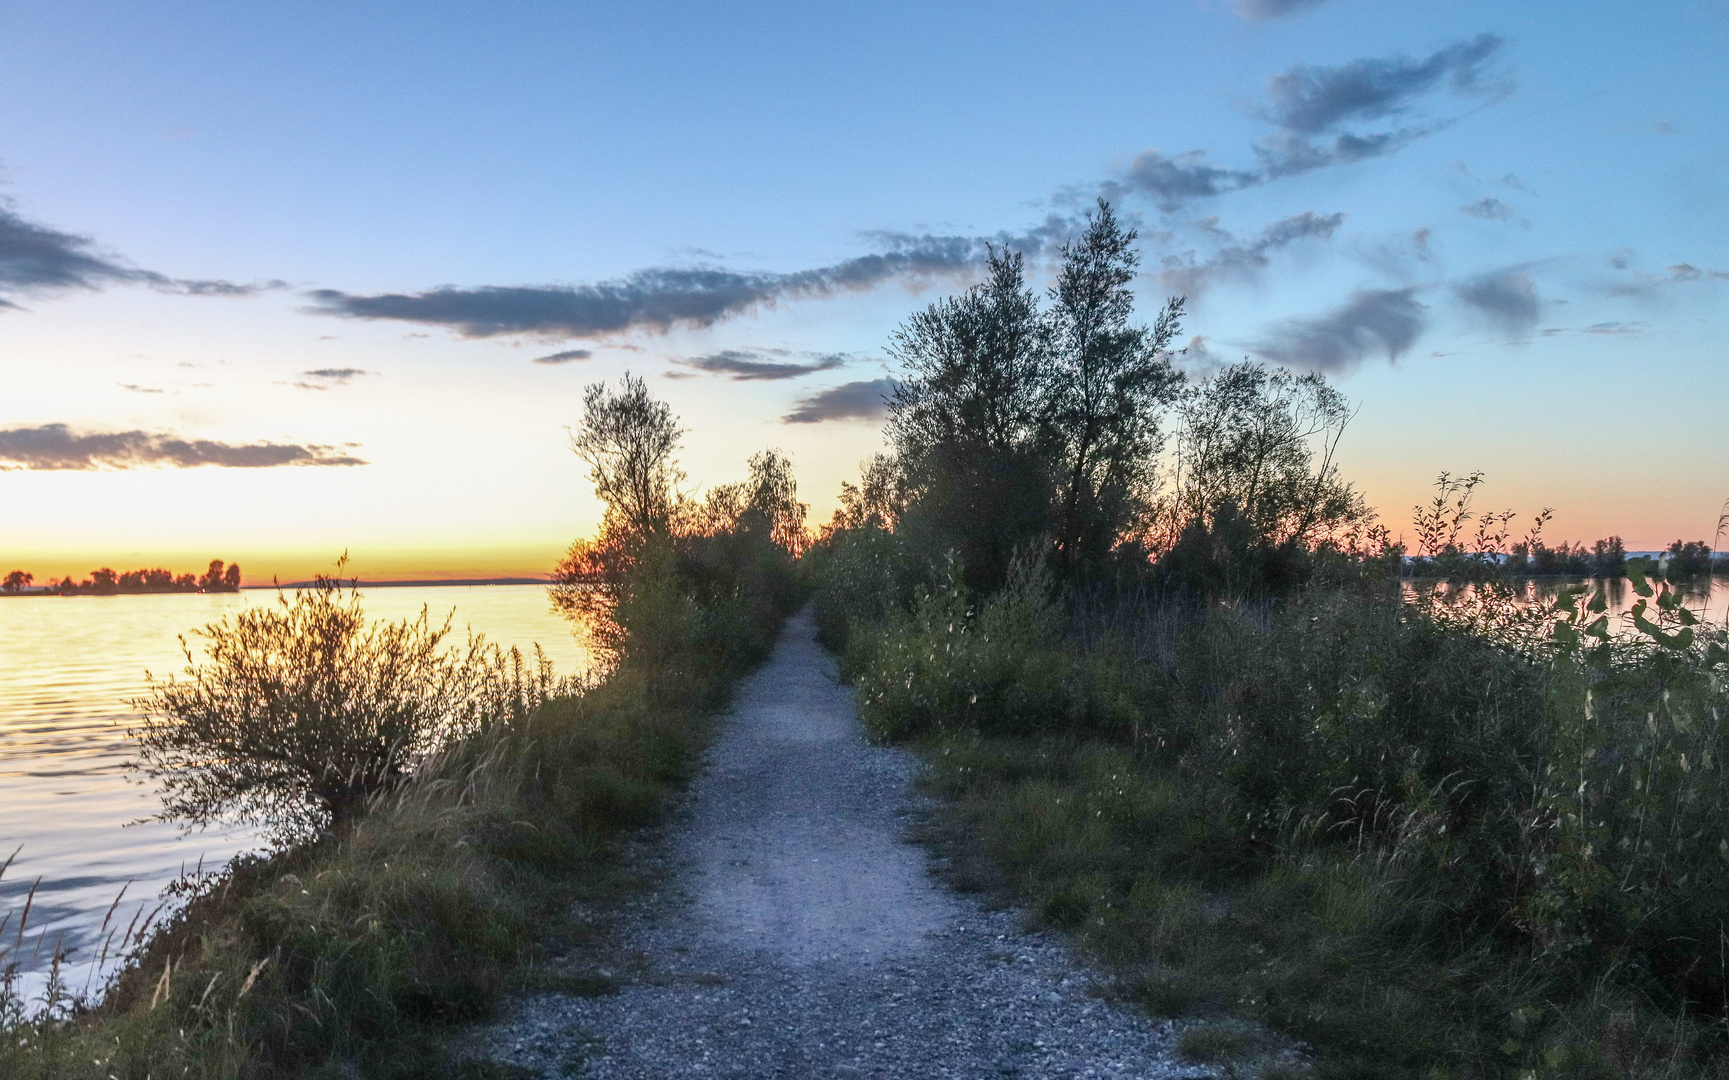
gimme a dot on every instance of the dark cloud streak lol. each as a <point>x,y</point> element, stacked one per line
<point>1268,10</point>
<point>38,260</point>
<point>1374,321</point>
<point>848,401</point>
<point>325,378</point>
<point>1309,100</point>
<point>56,447</point>
<point>1489,208</point>
<point>1310,106</point>
<point>656,299</point>
<point>743,366</point>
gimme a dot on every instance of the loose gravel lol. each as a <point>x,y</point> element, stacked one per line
<point>795,933</point>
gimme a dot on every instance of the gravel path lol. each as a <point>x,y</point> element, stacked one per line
<point>796,934</point>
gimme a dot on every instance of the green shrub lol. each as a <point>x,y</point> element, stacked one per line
<point>946,665</point>
<point>305,710</point>
<point>1418,836</point>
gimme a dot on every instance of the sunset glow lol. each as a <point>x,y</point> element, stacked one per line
<point>277,284</point>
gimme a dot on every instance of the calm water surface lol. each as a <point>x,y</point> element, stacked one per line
<point>67,669</point>
<point>1707,597</point>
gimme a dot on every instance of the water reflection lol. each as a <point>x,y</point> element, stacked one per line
<point>67,668</point>
<point>1707,597</point>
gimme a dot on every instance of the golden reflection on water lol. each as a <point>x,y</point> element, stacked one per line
<point>67,668</point>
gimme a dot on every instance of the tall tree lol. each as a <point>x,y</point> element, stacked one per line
<point>1263,442</point>
<point>628,440</point>
<point>964,422</point>
<point>1108,383</point>
<point>975,367</point>
<point>1256,481</point>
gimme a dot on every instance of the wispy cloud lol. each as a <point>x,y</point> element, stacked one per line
<point>1198,358</point>
<point>1182,273</point>
<point>1309,100</point>
<point>658,299</point>
<point>325,378</point>
<point>1607,329</point>
<point>1170,182</point>
<point>38,260</point>
<point>741,365</point>
<point>848,401</point>
<point>51,447</point>
<point>564,357</point>
<point>1688,272</point>
<point>1374,321</point>
<point>1311,107</point>
<point>1643,284</point>
<point>1268,10</point>
<point>654,300</point>
<point>1489,208</point>
<point>1506,299</point>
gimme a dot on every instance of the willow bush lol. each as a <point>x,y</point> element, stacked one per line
<point>304,710</point>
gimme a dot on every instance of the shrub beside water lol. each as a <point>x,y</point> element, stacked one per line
<point>304,711</point>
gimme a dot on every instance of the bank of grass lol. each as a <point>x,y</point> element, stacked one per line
<point>1422,843</point>
<point>356,955</point>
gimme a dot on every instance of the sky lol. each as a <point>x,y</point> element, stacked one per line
<point>282,281</point>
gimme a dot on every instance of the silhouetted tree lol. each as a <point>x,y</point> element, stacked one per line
<point>1108,384</point>
<point>212,579</point>
<point>1609,558</point>
<point>1688,559</point>
<point>877,501</point>
<point>965,423</point>
<point>628,440</point>
<point>17,581</point>
<point>771,494</point>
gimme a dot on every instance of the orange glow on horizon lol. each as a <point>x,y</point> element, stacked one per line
<point>259,568</point>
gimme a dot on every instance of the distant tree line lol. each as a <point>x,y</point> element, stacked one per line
<point>220,577</point>
<point>1608,558</point>
<point>1455,540</point>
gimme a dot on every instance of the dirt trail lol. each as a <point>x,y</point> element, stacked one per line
<point>796,934</point>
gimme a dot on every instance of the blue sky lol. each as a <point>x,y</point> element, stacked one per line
<point>247,247</point>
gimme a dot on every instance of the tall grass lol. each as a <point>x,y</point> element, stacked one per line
<point>1427,841</point>
<point>355,953</point>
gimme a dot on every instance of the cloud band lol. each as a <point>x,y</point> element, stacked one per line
<point>56,447</point>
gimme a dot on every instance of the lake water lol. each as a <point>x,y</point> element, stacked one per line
<point>1706,597</point>
<point>67,669</point>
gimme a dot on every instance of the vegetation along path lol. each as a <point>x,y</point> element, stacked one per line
<point>796,934</point>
